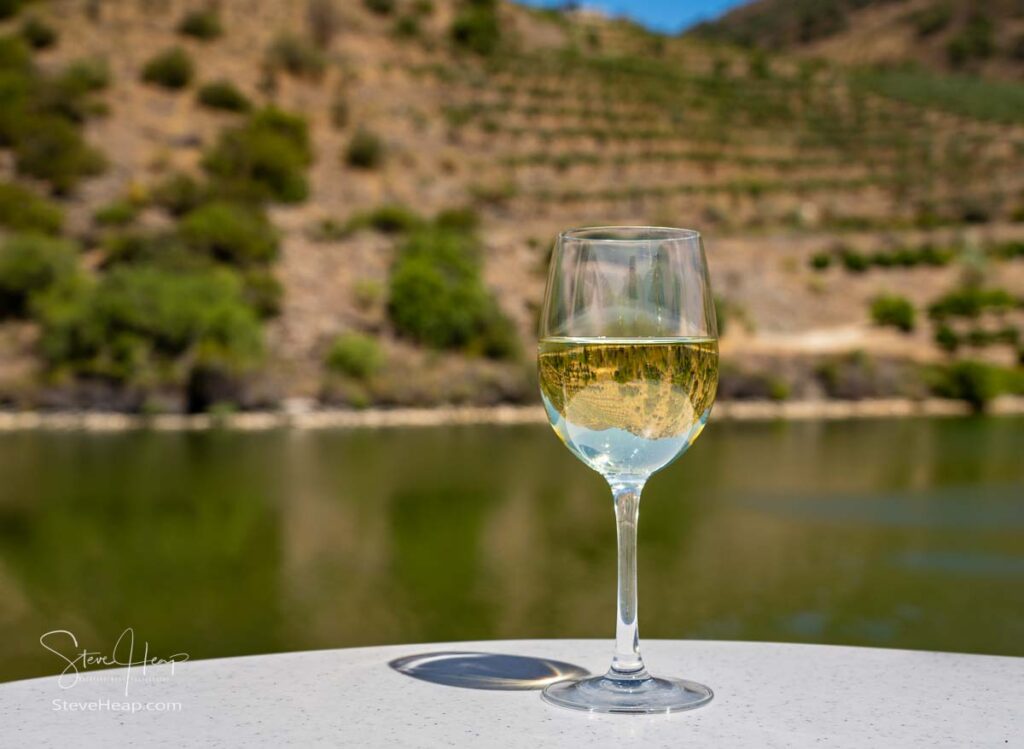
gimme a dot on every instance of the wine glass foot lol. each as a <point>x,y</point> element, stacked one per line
<point>601,694</point>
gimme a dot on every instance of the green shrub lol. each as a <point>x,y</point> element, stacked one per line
<point>476,27</point>
<point>37,33</point>
<point>946,338</point>
<point>970,302</point>
<point>974,42</point>
<point>68,94</point>
<point>365,150</point>
<point>437,297</point>
<point>464,219</point>
<point>894,311</point>
<point>50,148</point>
<point>116,213</point>
<point>29,264</point>
<point>178,194</point>
<point>971,381</point>
<point>263,292</point>
<point>854,261</point>
<point>407,27</point>
<point>354,355</point>
<point>15,55</point>
<point>9,8</point>
<point>223,95</point>
<point>230,233</point>
<point>392,218</point>
<point>146,322</point>
<point>266,158</point>
<point>172,69</point>
<point>163,249</point>
<point>380,7</point>
<point>296,56</point>
<point>201,24</point>
<point>86,75</point>
<point>23,210</point>
<point>821,260</point>
<point>931,19</point>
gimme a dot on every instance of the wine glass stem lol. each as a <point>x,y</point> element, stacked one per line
<point>627,663</point>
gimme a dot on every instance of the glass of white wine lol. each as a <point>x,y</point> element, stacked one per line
<point>628,361</point>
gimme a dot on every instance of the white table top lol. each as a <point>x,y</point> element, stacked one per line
<point>766,695</point>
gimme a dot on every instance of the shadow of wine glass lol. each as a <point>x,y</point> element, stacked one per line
<point>486,670</point>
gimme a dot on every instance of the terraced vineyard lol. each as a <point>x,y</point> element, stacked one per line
<point>840,214</point>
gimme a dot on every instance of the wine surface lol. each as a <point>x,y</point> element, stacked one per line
<point>628,407</point>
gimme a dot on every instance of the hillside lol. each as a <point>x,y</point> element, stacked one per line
<point>415,160</point>
<point>950,35</point>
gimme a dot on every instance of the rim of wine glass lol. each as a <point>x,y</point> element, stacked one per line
<point>641,233</point>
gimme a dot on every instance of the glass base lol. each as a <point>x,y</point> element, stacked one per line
<point>602,694</point>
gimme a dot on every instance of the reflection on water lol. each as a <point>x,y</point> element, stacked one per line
<point>487,670</point>
<point>890,533</point>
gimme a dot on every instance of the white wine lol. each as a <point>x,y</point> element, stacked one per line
<point>628,407</point>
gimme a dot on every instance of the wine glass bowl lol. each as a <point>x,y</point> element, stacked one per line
<point>628,368</point>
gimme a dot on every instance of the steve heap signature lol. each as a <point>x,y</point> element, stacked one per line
<point>64,644</point>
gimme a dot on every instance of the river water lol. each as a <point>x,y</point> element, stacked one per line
<point>894,533</point>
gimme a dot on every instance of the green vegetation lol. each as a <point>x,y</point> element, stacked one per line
<point>380,7</point>
<point>975,41</point>
<point>893,310</point>
<point>355,355</point>
<point>201,24</point>
<point>264,159</point>
<point>69,92</point>
<point>296,56</point>
<point>23,210</point>
<point>116,213</point>
<point>9,8</point>
<point>931,19</point>
<point>854,261</point>
<point>235,234</point>
<point>821,260</point>
<point>946,338</point>
<point>37,33</point>
<point>365,150</point>
<point>775,24</point>
<point>407,26</point>
<point>29,265</point>
<point>172,69</point>
<point>970,302</point>
<point>146,324</point>
<point>262,291</point>
<point>902,257</point>
<point>975,382</point>
<point>178,194</point>
<point>464,219</point>
<point>983,99</point>
<point>392,218</point>
<point>437,296</point>
<point>223,95</point>
<point>41,116</point>
<point>50,148</point>
<point>476,26</point>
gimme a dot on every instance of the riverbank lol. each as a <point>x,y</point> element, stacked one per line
<point>298,417</point>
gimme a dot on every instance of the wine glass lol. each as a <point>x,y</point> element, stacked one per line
<point>628,362</point>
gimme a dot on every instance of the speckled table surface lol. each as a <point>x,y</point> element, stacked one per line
<point>766,695</point>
